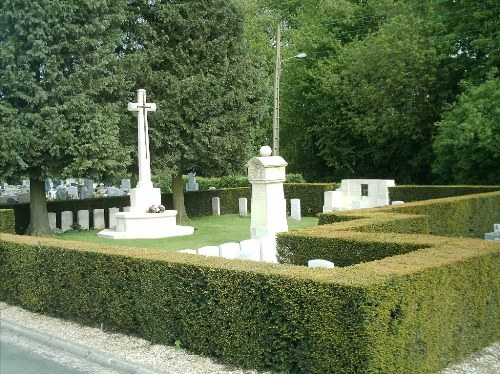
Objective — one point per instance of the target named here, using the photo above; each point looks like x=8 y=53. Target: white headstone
x=209 y=250
x=216 y=206
x=295 y=209
x=268 y=205
x=99 y=219
x=112 y=217
x=52 y=220
x=320 y=264
x=66 y=220
x=83 y=219
x=229 y=250
x=268 y=249
x=250 y=250
x=496 y=228
x=243 y=206
x=397 y=202
x=332 y=200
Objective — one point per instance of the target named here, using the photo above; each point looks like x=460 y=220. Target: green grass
x=211 y=230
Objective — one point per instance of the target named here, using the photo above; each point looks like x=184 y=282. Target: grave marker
x=99 y=222
x=216 y=206
x=66 y=220
x=243 y=206
x=295 y=209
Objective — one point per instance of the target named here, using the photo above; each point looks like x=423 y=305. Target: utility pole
x=276 y=112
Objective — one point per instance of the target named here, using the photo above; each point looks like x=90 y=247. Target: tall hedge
x=418 y=193
x=7 y=221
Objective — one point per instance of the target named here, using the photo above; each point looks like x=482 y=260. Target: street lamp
x=277 y=74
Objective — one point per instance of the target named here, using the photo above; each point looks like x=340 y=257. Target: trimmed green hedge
x=7 y=221
x=463 y=216
x=412 y=313
x=418 y=193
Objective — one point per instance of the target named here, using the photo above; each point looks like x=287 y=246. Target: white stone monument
x=358 y=194
x=138 y=222
x=268 y=207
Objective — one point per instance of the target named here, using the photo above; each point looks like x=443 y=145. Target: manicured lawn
x=210 y=230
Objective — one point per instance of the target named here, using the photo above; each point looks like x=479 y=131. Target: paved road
x=20 y=355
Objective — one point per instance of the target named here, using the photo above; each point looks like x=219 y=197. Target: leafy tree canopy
x=209 y=91
x=468 y=142
x=59 y=88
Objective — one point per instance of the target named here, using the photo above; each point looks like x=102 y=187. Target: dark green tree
x=209 y=90
x=59 y=88
x=377 y=78
x=468 y=142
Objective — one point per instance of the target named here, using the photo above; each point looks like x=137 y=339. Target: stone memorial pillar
x=268 y=207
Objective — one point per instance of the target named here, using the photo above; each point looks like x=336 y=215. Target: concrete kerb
x=79 y=350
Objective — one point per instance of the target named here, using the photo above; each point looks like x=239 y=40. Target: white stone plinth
x=268 y=210
x=133 y=225
x=142 y=198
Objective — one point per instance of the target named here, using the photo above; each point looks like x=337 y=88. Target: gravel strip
x=177 y=361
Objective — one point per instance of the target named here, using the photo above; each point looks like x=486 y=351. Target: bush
x=417 y=193
x=7 y=221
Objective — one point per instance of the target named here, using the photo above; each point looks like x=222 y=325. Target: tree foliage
x=209 y=91
x=59 y=88
x=376 y=80
x=468 y=142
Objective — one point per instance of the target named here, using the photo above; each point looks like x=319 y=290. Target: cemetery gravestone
x=62 y=193
x=125 y=185
x=66 y=220
x=99 y=219
x=84 y=193
x=191 y=185
x=83 y=219
x=320 y=264
x=250 y=250
x=112 y=217
x=209 y=250
x=52 y=220
x=72 y=192
x=243 y=206
x=216 y=206
x=229 y=250
x=295 y=209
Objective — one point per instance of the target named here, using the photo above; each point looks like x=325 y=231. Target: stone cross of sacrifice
x=143 y=107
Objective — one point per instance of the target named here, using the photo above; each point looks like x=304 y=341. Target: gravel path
x=177 y=361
